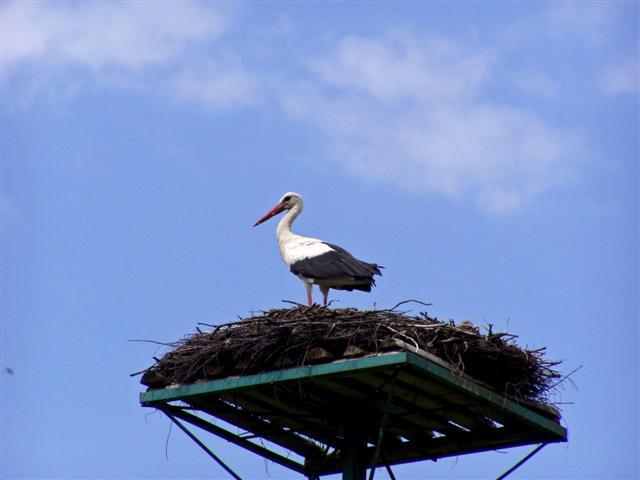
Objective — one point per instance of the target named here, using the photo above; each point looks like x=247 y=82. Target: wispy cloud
x=398 y=68
x=216 y=85
x=406 y=113
x=590 y=20
x=124 y=45
x=428 y=113
x=99 y=35
x=537 y=83
x=621 y=77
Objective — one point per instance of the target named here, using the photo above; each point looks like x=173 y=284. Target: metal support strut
x=524 y=459
x=355 y=443
x=202 y=445
x=385 y=415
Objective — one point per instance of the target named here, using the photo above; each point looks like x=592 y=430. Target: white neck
x=284 y=227
x=296 y=247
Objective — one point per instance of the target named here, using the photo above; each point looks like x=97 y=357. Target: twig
x=154 y=342
x=295 y=303
x=566 y=377
x=409 y=301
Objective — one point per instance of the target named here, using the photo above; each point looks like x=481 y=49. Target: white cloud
x=218 y=85
x=123 y=45
x=590 y=20
x=417 y=111
x=434 y=131
x=538 y=84
x=398 y=68
x=621 y=77
x=103 y=34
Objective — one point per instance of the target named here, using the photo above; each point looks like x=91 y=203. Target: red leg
x=309 y=299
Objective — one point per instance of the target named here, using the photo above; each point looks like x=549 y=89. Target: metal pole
x=353 y=451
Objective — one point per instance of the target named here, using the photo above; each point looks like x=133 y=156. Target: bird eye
x=287 y=198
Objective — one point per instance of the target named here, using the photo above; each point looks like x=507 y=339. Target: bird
x=316 y=262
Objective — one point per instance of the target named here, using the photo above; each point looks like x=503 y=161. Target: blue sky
x=486 y=153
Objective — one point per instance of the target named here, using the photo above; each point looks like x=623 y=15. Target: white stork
x=314 y=261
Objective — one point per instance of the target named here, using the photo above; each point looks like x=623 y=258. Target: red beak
x=271 y=213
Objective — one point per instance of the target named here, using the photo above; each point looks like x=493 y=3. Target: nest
x=283 y=338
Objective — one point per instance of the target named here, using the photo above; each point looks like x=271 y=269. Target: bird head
x=288 y=201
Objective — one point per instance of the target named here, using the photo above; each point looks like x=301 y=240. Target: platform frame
x=354 y=414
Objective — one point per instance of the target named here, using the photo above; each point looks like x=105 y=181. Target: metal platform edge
x=157 y=397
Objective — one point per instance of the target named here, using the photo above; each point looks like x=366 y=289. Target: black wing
x=337 y=264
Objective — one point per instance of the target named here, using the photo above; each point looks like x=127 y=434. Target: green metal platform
x=353 y=414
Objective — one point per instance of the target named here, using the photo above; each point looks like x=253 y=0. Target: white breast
x=294 y=248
